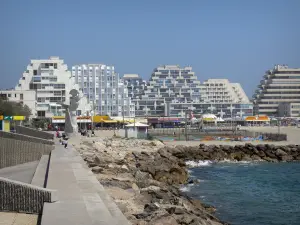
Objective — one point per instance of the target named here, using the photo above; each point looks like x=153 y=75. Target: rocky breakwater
x=143 y=178
x=247 y=152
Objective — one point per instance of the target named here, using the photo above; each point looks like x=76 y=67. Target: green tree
x=8 y=108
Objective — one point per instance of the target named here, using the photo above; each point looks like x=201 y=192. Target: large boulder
x=142 y=179
x=279 y=153
x=286 y=158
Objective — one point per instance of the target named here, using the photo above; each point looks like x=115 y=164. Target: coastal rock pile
x=247 y=152
x=143 y=177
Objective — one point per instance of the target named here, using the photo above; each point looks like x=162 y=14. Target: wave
x=199 y=163
x=186 y=188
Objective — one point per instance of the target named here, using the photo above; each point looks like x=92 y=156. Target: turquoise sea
x=250 y=193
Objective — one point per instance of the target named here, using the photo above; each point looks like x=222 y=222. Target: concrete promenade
x=59 y=186
x=82 y=199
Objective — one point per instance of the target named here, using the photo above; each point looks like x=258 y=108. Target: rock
x=286 y=158
x=237 y=156
x=175 y=210
x=125 y=168
x=151 y=207
x=261 y=154
x=268 y=159
x=280 y=152
x=99 y=146
x=135 y=187
x=157 y=143
x=97 y=169
x=255 y=158
x=246 y=158
x=142 y=178
x=150 y=188
x=168 y=220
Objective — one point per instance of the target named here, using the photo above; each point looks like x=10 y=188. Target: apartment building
x=171 y=90
x=48 y=82
x=222 y=91
x=25 y=97
x=223 y=110
x=103 y=86
x=168 y=83
x=136 y=86
x=279 y=85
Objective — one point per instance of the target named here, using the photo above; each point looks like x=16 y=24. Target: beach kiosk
x=138 y=130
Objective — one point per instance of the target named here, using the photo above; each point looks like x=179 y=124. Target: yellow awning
x=19 y=118
x=110 y=121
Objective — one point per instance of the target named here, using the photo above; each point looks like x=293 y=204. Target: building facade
x=222 y=91
x=223 y=110
x=135 y=84
x=48 y=82
x=103 y=86
x=278 y=86
x=172 y=90
x=25 y=97
x=168 y=83
x=287 y=109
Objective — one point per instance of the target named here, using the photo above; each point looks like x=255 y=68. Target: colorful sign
x=19 y=118
x=58 y=117
x=6 y=126
x=1 y=117
x=8 y=117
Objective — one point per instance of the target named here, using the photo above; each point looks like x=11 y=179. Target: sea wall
x=20 y=197
x=34 y=133
x=247 y=152
x=23 y=137
x=14 y=152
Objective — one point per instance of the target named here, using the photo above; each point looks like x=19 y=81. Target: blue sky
x=234 y=39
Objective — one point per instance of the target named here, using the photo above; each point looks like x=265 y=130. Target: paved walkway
x=82 y=199
x=17 y=219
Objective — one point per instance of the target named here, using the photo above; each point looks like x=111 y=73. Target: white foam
x=199 y=163
x=185 y=189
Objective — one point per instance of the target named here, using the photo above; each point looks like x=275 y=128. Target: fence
x=196 y=134
x=14 y=152
x=23 y=137
x=20 y=197
x=34 y=133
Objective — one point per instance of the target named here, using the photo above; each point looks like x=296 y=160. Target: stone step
x=39 y=176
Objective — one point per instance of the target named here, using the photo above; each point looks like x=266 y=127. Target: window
x=15 y=95
x=41 y=113
x=34 y=72
x=9 y=95
x=21 y=96
x=55 y=65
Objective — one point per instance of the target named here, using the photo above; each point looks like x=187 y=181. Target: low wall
x=14 y=152
x=34 y=133
x=20 y=197
x=23 y=137
x=268 y=136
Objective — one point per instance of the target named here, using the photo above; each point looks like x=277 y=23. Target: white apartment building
x=222 y=91
x=51 y=82
x=278 y=86
x=168 y=83
x=103 y=86
x=135 y=84
x=25 y=97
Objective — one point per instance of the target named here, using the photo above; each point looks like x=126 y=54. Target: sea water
x=249 y=193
